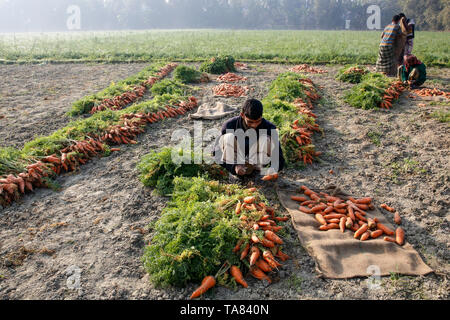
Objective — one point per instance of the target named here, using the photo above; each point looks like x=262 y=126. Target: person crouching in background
x=413 y=72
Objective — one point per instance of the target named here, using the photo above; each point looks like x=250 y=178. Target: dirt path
x=35 y=98
x=95 y=227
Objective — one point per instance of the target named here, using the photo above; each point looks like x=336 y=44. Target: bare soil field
x=95 y=228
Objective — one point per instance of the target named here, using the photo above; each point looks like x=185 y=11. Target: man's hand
x=240 y=170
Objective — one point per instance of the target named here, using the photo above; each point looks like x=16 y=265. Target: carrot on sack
x=329 y=226
x=365 y=236
x=299 y=198
x=342 y=224
x=371 y=223
x=281 y=218
x=400 y=236
x=334 y=216
x=385 y=229
x=348 y=223
x=389 y=239
x=207 y=283
x=319 y=207
x=375 y=234
x=237 y=275
x=305 y=209
x=320 y=219
x=361 y=230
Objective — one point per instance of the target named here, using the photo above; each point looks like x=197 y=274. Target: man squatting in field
x=260 y=145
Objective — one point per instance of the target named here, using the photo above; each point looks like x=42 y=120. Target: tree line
x=53 y=15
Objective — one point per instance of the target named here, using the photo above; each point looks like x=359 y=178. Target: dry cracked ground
x=86 y=240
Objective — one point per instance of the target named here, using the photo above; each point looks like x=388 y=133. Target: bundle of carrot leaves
x=352 y=74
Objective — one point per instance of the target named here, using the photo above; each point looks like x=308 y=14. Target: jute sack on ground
x=338 y=255
x=208 y=111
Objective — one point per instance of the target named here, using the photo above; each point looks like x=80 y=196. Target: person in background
x=228 y=149
x=399 y=44
x=413 y=72
x=410 y=26
x=386 y=62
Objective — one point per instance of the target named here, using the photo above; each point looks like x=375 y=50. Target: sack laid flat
x=339 y=255
x=209 y=111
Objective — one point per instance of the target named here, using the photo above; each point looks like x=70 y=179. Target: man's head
x=402 y=15
x=396 y=18
x=252 y=113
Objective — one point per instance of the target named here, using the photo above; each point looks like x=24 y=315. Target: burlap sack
x=338 y=255
x=208 y=111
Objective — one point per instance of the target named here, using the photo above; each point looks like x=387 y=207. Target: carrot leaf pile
x=352 y=74
x=369 y=93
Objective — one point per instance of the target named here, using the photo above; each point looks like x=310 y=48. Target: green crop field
x=316 y=47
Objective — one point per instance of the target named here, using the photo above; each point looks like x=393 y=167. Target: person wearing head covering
x=410 y=27
x=387 y=61
x=413 y=71
x=400 y=43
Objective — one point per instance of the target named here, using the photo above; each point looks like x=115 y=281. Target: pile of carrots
x=355 y=70
x=231 y=77
x=425 y=92
x=347 y=213
x=81 y=152
x=392 y=93
x=229 y=90
x=308 y=69
x=241 y=65
x=119 y=102
x=261 y=251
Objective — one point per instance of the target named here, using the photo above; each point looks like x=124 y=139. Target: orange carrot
x=351 y=214
x=342 y=224
x=245 y=251
x=319 y=207
x=360 y=217
x=238 y=246
x=385 y=229
x=328 y=210
x=267 y=243
x=349 y=223
x=267 y=178
x=207 y=283
x=263 y=265
x=305 y=209
x=259 y=274
x=281 y=218
x=400 y=236
x=375 y=234
x=361 y=230
x=255 y=253
x=386 y=207
x=282 y=255
x=255 y=238
x=329 y=226
x=237 y=275
x=371 y=223
x=320 y=218
x=238 y=208
x=364 y=200
x=334 y=216
x=397 y=218
x=249 y=200
x=272 y=237
x=333 y=221
x=365 y=236
x=389 y=239
x=298 y=198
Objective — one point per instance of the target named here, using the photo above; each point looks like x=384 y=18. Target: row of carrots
x=347 y=213
x=392 y=93
x=241 y=65
x=231 y=77
x=306 y=68
x=261 y=251
x=303 y=132
x=80 y=152
x=119 y=102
